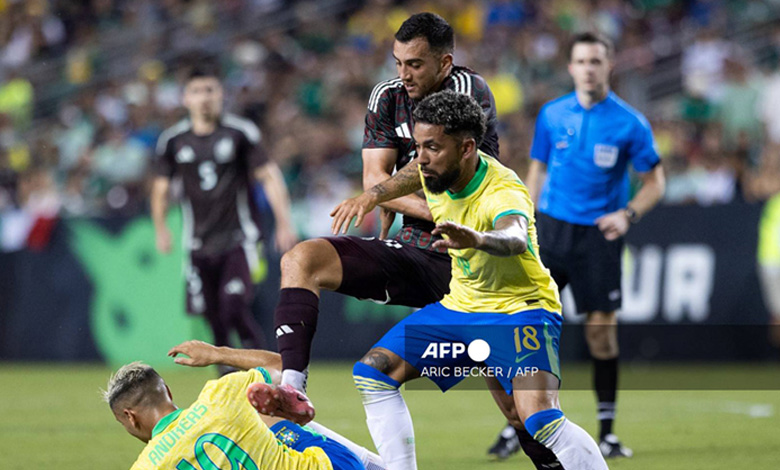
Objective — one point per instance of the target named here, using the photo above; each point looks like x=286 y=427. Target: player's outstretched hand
x=613 y=225
x=200 y=354
x=352 y=208
x=458 y=236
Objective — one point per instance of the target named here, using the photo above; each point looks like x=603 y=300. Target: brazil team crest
x=287 y=436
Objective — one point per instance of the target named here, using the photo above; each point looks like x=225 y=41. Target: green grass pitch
x=52 y=416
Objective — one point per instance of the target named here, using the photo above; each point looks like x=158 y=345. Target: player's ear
x=131 y=418
x=468 y=145
x=168 y=391
x=445 y=61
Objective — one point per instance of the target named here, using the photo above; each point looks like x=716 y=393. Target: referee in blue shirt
x=582 y=146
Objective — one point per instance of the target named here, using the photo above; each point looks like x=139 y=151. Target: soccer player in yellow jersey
x=503 y=303
x=221 y=429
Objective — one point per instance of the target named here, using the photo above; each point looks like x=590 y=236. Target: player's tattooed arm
x=405 y=181
x=378 y=166
x=509 y=238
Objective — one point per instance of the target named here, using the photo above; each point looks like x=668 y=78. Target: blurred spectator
x=7 y=182
x=16 y=149
x=16 y=99
x=769 y=107
x=713 y=179
x=737 y=107
x=703 y=62
x=119 y=160
x=75 y=135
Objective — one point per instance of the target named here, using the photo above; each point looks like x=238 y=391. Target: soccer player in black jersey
x=403 y=270
x=218 y=156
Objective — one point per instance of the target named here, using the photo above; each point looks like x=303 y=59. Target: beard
x=439 y=184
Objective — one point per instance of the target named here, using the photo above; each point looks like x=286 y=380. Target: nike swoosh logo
x=520 y=359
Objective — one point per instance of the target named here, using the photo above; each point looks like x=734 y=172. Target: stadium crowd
x=86 y=88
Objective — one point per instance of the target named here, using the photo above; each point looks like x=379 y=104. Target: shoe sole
x=276 y=401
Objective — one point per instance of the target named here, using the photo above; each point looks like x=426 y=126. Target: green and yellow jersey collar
x=165 y=422
x=475 y=182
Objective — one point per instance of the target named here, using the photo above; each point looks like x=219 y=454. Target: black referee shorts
x=580 y=256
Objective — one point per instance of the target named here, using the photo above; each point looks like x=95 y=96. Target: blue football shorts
x=442 y=344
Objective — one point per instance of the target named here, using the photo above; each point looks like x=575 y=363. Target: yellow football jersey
x=482 y=282
x=222 y=430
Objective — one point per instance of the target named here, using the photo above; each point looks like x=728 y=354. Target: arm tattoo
x=510 y=238
x=501 y=243
x=405 y=181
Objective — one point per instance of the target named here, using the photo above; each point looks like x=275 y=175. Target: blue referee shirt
x=587 y=153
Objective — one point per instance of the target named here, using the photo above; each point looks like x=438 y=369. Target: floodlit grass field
x=53 y=417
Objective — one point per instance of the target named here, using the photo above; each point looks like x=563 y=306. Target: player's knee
x=536 y=393
x=295 y=260
x=307 y=259
x=602 y=340
x=531 y=407
x=377 y=359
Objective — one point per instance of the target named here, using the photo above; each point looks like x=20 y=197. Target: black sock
x=295 y=321
x=605 y=378
x=542 y=457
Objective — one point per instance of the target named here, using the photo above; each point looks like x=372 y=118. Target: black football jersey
x=389 y=120
x=216 y=171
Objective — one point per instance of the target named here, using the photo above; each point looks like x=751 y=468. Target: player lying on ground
x=221 y=429
x=200 y=354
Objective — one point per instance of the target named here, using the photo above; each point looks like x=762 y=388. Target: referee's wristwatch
x=632 y=215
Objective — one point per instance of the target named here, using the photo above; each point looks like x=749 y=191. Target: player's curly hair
x=134 y=384
x=432 y=27
x=459 y=114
